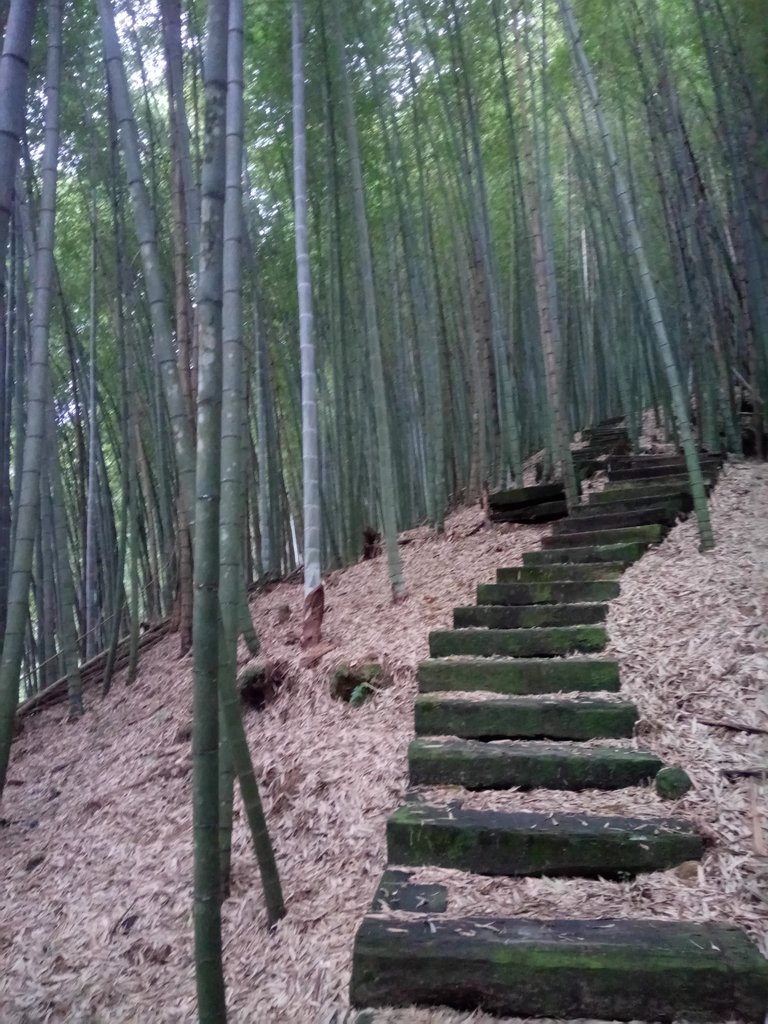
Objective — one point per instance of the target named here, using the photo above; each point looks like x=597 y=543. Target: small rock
x=258 y=684
x=34 y=862
x=688 y=871
x=672 y=783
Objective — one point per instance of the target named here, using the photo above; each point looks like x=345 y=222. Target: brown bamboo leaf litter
x=95 y=844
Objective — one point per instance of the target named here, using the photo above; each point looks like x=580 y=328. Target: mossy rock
x=259 y=683
x=354 y=684
x=672 y=783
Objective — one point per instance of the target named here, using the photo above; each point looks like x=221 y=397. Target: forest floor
x=95 y=836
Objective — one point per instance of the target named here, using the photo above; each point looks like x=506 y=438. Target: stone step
x=559 y=573
x=648 y=534
x=518 y=675
x=546 y=512
x=605 y=433
x=450 y=761
x=605 y=969
x=616 y=520
x=646 y=472
x=528 y=616
x=521 y=643
x=499 y=718
x=589 y=454
x=610 y=421
x=546 y=593
x=668 y=461
x=529 y=843
x=644 y=483
x=650 y=493
x=626 y=553
x=395 y=891
x=673 y=502
x=521 y=497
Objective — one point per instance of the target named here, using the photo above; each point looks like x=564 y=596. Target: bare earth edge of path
x=99 y=929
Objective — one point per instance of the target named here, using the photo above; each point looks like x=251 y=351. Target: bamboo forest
x=383 y=532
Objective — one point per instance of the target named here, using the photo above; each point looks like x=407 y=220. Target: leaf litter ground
x=95 y=921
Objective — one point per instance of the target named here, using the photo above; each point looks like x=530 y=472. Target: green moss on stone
x=548 y=642
x=524 y=718
x=648 y=534
x=672 y=783
x=528 y=616
x=560 y=573
x=477 y=765
x=547 y=593
x=596 y=553
x=519 y=843
x=519 y=675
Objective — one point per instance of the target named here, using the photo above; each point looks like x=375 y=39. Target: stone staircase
x=505 y=701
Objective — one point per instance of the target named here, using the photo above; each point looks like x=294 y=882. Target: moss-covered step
x=645 y=472
x=604 y=969
x=649 y=516
x=520 y=497
x=532 y=718
x=528 y=616
x=593 y=553
x=522 y=643
x=637 y=461
x=560 y=573
x=522 y=676
x=604 y=499
x=649 y=485
x=649 y=534
x=588 y=461
x=450 y=761
x=395 y=891
x=582 y=456
x=674 y=502
x=519 y=843
x=602 y=435
x=545 y=512
x=547 y=593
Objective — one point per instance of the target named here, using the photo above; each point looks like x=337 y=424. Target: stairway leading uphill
x=509 y=698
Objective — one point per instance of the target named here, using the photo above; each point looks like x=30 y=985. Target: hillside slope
x=95 y=909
